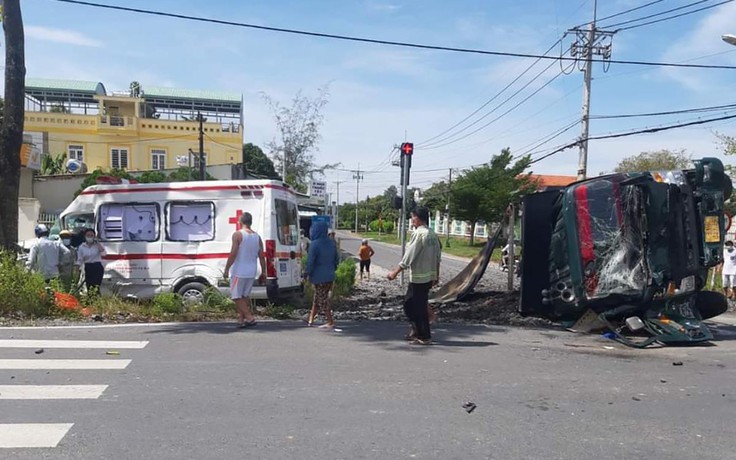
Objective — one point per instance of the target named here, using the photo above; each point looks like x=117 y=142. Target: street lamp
x=729 y=38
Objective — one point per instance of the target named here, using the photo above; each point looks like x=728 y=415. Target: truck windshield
x=610 y=218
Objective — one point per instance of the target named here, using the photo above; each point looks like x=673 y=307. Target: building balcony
x=158 y=126
x=43 y=121
x=117 y=123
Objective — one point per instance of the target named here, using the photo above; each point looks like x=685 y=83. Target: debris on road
x=677 y=363
x=112 y=352
x=469 y=407
x=39 y=351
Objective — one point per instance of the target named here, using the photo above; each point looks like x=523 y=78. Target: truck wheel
x=192 y=293
x=711 y=304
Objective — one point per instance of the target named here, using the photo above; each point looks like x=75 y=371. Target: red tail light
x=270 y=258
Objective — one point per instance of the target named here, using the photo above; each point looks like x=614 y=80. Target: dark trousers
x=415 y=308
x=93 y=275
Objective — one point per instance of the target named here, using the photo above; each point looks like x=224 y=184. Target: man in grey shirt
x=46 y=255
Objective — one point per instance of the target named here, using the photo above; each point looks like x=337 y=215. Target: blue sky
x=380 y=94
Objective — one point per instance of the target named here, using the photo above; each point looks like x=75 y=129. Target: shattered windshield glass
x=610 y=220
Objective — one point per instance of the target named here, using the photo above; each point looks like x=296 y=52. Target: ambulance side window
x=286 y=221
x=129 y=222
x=190 y=221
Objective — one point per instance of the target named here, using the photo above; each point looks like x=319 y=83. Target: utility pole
x=357 y=178
x=447 y=212
x=202 y=168
x=337 y=207
x=589 y=42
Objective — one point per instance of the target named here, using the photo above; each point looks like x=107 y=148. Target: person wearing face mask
x=66 y=268
x=729 y=270
x=89 y=256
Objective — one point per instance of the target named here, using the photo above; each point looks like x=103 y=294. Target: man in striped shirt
x=422 y=259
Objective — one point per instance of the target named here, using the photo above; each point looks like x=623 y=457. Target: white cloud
x=703 y=40
x=382 y=7
x=70 y=37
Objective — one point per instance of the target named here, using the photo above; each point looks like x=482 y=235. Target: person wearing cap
x=46 y=256
x=365 y=253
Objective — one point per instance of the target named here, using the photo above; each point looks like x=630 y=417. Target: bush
x=344 y=278
x=388 y=226
x=279 y=311
x=21 y=290
x=215 y=300
x=167 y=302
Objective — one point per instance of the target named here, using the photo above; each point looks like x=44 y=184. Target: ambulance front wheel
x=193 y=293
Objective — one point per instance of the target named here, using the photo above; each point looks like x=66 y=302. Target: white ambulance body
x=176 y=237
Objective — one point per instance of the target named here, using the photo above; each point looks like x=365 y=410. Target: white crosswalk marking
x=38 y=435
x=51 y=391
x=76 y=364
x=89 y=344
x=20 y=435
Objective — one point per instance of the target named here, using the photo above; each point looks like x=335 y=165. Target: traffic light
x=407 y=148
x=397 y=202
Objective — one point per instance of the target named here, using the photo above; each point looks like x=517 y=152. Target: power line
x=676 y=15
x=671 y=112
x=660 y=13
x=632 y=133
x=485 y=104
x=630 y=10
x=381 y=42
x=436 y=146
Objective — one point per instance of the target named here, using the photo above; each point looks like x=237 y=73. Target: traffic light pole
x=404 y=187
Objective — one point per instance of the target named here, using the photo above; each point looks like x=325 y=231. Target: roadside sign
x=318 y=189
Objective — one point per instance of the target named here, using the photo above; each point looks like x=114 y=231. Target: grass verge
x=459 y=247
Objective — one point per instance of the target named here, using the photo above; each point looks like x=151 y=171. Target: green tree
x=257 y=162
x=51 y=165
x=298 y=137
x=91 y=179
x=435 y=197
x=658 y=160
x=152 y=177
x=483 y=193
x=185 y=174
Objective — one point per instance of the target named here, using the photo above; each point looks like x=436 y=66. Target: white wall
x=28 y=211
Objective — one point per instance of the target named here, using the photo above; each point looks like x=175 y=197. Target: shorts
x=729 y=281
x=365 y=264
x=240 y=287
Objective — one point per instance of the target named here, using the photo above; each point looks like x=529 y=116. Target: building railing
x=116 y=121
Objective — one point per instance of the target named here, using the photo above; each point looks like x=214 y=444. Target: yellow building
x=145 y=128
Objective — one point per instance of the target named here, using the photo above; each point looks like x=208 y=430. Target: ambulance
x=176 y=237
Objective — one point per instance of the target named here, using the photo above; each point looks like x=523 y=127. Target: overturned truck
x=632 y=250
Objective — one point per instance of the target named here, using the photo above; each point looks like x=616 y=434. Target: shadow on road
x=389 y=334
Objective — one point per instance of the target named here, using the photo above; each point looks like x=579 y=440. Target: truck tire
x=192 y=293
x=711 y=304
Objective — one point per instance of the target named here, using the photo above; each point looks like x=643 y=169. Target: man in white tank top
x=242 y=268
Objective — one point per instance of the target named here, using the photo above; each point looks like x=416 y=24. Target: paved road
x=389 y=255
x=284 y=391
